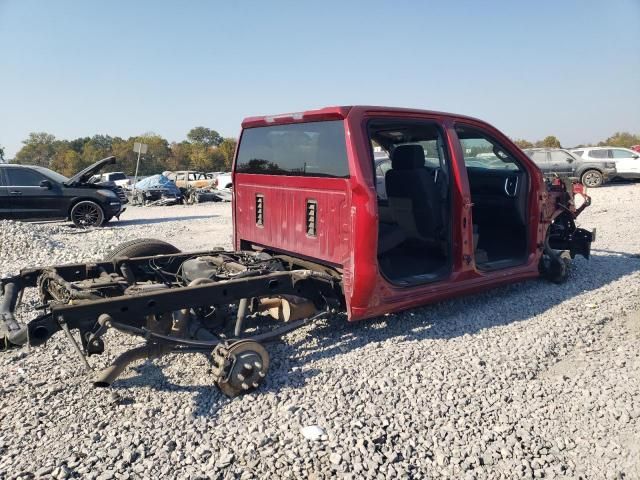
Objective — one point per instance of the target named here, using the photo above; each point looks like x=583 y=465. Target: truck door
x=562 y=163
x=30 y=200
x=5 y=204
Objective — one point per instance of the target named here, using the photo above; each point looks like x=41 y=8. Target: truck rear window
x=315 y=149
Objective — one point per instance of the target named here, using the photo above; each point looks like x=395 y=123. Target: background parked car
x=118 y=178
x=156 y=189
x=636 y=148
x=223 y=180
x=592 y=172
x=29 y=192
x=626 y=160
x=189 y=178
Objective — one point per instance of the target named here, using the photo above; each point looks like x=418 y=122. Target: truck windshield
x=315 y=149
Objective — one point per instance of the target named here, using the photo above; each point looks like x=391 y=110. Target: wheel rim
x=86 y=215
x=591 y=179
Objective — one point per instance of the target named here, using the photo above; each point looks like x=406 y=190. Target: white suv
x=627 y=161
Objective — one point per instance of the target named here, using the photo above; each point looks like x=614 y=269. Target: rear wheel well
x=597 y=169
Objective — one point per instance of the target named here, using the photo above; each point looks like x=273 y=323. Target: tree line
x=618 y=139
x=204 y=150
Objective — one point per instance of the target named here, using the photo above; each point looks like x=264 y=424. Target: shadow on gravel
x=461 y=316
x=207 y=398
x=620 y=182
x=444 y=320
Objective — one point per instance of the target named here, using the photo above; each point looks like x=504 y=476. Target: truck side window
x=313 y=149
x=483 y=153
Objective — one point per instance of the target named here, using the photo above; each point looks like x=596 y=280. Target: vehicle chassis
x=93 y=297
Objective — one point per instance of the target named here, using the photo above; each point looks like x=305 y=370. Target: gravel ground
x=529 y=380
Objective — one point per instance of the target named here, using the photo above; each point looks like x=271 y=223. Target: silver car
x=627 y=161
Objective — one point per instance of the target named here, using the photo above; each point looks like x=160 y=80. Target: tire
x=556 y=270
x=87 y=214
x=592 y=178
x=141 y=247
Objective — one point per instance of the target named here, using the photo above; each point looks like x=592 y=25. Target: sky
x=569 y=68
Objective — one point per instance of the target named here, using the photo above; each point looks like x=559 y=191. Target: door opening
x=499 y=187
x=413 y=184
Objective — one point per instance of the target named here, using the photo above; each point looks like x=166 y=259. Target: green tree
x=549 y=142
x=179 y=157
x=621 y=139
x=2 y=160
x=522 y=143
x=78 y=144
x=96 y=148
x=67 y=162
x=204 y=136
x=38 y=149
x=228 y=149
x=156 y=160
x=200 y=158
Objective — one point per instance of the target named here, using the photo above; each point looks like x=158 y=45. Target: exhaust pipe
x=109 y=375
x=12 y=333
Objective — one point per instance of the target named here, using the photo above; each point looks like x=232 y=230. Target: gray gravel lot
x=529 y=380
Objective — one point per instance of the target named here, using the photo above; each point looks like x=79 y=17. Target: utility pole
x=140 y=148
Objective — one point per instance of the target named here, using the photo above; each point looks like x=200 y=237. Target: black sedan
x=29 y=192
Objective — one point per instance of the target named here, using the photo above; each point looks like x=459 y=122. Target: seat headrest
x=407 y=157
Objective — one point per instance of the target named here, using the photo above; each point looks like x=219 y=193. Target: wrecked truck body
x=463 y=210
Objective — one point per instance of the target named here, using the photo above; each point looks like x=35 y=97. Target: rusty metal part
x=76 y=347
x=12 y=333
x=199 y=281
x=151 y=350
x=239 y=367
x=180 y=324
x=242 y=313
x=226 y=262
x=147 y=297
x=140 y=288
x=286 y=308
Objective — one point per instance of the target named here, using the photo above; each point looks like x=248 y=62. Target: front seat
x=413 y=196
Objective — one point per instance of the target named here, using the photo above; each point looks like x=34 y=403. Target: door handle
x=15 y=192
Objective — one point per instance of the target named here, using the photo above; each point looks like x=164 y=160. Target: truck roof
x=337 y=113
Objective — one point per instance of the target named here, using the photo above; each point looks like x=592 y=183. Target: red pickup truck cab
x=454 y=207
x=366 y=210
